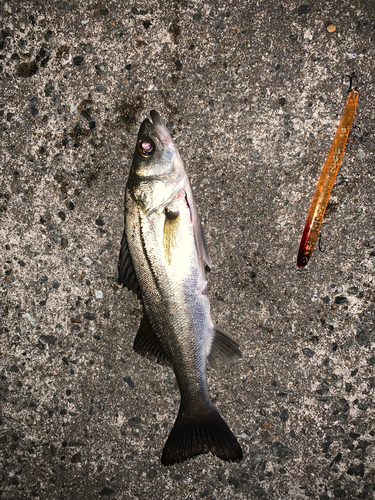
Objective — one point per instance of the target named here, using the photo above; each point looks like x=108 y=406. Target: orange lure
x=326 y=180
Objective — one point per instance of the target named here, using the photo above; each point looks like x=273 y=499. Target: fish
x=163 y=259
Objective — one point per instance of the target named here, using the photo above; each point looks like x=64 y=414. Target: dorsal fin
x=201 y=244
x=126 y=273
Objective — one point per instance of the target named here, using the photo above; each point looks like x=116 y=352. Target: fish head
x=157 y=169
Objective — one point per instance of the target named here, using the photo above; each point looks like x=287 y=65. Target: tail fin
x=198 y=435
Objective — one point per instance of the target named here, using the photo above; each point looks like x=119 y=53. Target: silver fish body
x=162 y=258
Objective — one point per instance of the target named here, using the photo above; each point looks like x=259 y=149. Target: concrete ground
x=252 y=93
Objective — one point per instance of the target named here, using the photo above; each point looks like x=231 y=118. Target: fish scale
x=186 y=328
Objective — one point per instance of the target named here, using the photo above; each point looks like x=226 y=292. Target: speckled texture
x=252 y=94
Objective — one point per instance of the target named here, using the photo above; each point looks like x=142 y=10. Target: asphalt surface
x=252 y=93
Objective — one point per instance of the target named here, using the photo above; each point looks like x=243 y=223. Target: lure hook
x=341 y=180
x=351 y=78
x=356 y=126
x=321 y=249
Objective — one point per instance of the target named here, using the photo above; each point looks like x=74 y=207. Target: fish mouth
x=156 y=120
x=146 y=129
x=156 y=127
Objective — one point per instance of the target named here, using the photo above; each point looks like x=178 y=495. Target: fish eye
x=304 y=260
x=146 y=147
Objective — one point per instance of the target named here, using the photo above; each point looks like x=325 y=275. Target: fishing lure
x=327 y=178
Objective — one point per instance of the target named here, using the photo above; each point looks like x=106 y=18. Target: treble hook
x=351 y=78
x=341 y=180
x=320 y=243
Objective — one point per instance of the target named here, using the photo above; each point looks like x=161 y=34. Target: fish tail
x=198 y=435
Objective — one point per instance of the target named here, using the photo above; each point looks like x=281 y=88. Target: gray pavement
x=252 y=93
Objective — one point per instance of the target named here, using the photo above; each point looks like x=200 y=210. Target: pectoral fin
x=126 y=273
x=147 y=344
x=224 y=347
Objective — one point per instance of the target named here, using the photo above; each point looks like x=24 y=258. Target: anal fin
x=224 y=347
x=147 y=344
